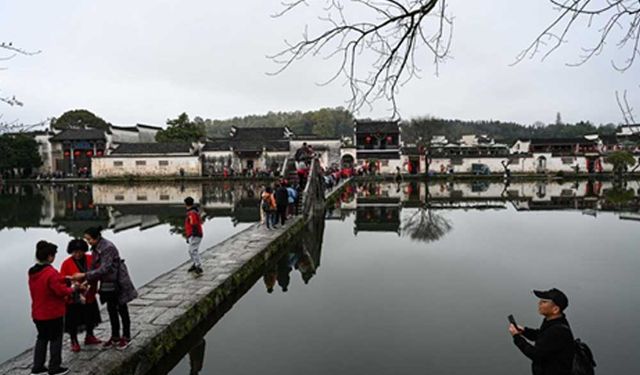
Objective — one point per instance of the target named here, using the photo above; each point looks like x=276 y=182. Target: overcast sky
x=145 y=61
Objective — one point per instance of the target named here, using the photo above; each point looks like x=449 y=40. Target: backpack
x=266 y=207
x=583 y=362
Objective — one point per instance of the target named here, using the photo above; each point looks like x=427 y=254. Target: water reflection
x=70 y=208
x=380 y=207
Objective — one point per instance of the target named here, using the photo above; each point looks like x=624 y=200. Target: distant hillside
x=328 y=122
x=336 y=122
x=501 y=131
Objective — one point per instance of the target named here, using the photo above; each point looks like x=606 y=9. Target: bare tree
x=377 y=51
x=425 y=225
x=616 y=21
x=10 y=52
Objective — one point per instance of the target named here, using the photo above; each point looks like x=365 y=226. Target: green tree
x=79 y=118
x=181 y=129
x=19 y=152
x=621 y=161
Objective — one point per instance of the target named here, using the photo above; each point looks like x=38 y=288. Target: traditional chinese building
x=149 y=159
x=73 y=149
x=378 y=144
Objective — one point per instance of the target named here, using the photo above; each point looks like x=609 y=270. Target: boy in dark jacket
x=48 y=292
x=553 y=348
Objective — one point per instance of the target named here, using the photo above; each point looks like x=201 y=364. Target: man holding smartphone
x=552 y=350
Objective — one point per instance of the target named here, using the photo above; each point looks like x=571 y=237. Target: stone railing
x=313 y=198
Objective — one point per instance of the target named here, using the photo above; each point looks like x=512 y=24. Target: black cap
x=555 y=295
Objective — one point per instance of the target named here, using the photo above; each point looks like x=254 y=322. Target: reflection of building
x=378 y=208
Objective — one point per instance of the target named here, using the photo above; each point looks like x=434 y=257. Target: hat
x=555 y=295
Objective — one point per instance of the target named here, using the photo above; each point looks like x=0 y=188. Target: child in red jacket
x=82 y=308
x=48 y=292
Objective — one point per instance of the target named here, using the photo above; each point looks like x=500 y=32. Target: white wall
x=105 y=167
x=109 y=194
x=494 y=164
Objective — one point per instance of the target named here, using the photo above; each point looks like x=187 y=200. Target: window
x=141 y=162
x=117 y=164
x=164 y=197
x=385 y=163
x=119 y=197
x=142 y=197
x=163 y=163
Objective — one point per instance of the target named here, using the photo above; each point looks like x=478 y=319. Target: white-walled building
x=149 y=159
x=378 y=145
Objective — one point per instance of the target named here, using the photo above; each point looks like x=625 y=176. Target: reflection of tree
x=21 y=207
x=425 y=226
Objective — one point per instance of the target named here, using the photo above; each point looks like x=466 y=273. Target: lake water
x=402 y=278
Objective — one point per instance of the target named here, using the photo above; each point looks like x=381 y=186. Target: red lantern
x=389 y=139
x=89 y=153
x=99 y=153
x=76 y=153
x=368 y=139
x=67 y=154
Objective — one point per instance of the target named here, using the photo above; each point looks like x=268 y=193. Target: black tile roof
x=259 y=133
x=560 y=141
x=259 y=144
x=152 y=148
x=79 y=134
x=125 y=128
x=367 y=126
x=149 y=126
x=217 y=144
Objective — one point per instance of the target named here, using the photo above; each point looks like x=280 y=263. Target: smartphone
x=512 y=320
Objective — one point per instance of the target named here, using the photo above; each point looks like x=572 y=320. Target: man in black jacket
x=282 y=201
x=553 y=348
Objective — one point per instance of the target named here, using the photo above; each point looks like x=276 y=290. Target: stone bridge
x=175 y=306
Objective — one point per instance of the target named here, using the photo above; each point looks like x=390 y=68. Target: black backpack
x=583 y=362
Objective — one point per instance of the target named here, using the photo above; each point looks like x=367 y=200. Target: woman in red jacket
x=48 y=291
x=82 y=308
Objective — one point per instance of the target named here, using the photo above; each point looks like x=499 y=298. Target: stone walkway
x=173 y=304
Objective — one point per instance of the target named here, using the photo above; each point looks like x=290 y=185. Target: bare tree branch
x=376 y=53
x=625 y=108
x=614 y=19
x=13 y=51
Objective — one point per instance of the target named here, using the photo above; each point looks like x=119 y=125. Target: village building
x=69 y=152
x=377 y=145
x=472 y=154
x=553 y=155
x=149 y=159
x=138 y=133
x=247 y=151
x=72 y=150
x=327 y=149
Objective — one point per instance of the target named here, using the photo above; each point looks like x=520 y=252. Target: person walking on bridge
x=193 y=231
x=282 y=201
x=553 y=349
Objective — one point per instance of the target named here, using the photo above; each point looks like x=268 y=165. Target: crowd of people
x=278 y=203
